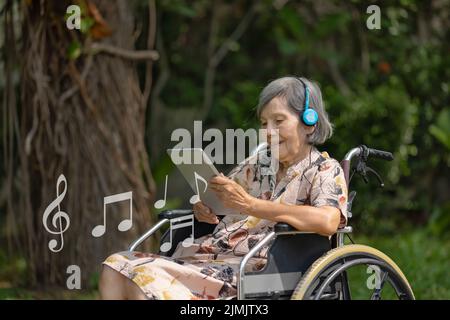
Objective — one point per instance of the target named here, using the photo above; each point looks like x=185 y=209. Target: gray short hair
x=291 y=89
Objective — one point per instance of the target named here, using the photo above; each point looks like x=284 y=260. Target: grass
x=423 y=258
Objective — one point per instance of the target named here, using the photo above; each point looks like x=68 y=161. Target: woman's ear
x=310 y=129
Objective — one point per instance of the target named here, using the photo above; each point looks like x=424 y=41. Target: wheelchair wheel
x=330 y=276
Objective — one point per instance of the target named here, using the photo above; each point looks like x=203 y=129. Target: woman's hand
x=231 y=193
x=204 y=214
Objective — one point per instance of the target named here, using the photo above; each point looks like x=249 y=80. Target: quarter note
x=58 y=218
x=162 y=202
x=178 y=223
x=196 y=197
x=125 y=224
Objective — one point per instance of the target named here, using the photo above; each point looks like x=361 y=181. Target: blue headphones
x=309 y=116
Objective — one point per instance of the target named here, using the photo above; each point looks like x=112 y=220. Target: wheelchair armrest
x=174 y=213
x=283 y=227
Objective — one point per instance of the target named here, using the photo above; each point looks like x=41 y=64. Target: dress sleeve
x=330 y=189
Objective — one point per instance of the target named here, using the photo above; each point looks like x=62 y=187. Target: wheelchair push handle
x=380 y=154
x=363 y=152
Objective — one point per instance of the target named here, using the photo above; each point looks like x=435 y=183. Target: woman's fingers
x=223 y=190
x=216 y=189
x=208 y=218
x=200 y=207
x=220 y=180
x=204 y=214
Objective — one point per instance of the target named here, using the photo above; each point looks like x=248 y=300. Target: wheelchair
x=302 y=265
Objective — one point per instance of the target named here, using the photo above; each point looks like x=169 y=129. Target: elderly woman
x=308 y=192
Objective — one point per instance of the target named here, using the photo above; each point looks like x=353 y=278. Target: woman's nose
x=272 y=134
x=270 y=127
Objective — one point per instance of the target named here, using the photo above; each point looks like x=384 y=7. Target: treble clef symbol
x=58 y=217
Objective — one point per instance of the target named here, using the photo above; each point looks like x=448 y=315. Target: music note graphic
x=125 y=224
x=57 y=220
x=162 y=202
x=196 y=197
x=178 y=223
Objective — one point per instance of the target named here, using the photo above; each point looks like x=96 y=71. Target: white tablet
x=198 y=169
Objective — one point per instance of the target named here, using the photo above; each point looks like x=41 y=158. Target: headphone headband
x=305 y=87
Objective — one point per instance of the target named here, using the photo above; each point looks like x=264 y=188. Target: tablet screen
x=198 y=169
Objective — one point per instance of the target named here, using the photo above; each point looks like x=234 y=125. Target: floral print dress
x=207 y=269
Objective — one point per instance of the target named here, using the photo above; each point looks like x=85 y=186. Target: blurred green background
x=387 y=88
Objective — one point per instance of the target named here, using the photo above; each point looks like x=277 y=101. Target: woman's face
x=292 y=133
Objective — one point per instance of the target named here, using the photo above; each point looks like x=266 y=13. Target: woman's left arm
x=323 y=220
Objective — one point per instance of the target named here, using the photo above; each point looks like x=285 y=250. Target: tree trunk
x=82 y=116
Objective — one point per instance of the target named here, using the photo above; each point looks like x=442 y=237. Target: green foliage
x=74 y=50
x=441 y=129
x=86 y=24
x=12 y=269
x=382 y=118
x=233 y=102
x=439 y=223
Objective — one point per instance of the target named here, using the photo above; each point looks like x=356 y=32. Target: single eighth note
x=196 y=197
x=162 y=202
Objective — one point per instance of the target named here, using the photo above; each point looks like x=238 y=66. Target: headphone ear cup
x=310 y=117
